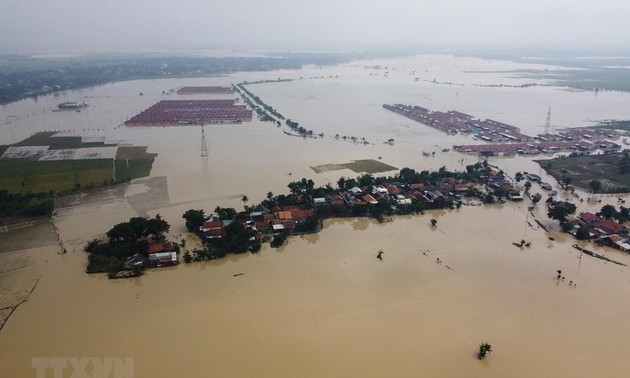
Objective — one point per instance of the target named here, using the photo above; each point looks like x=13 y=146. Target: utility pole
x=204 y=145
x=548 y=122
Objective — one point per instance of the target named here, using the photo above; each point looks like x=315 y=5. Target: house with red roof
x=368 y=198
x=161 y=253
x=588 y=217
x=610 y=227
x=393 y=190
x=212 y=229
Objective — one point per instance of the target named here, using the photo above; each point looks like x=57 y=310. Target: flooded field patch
x=358 y=166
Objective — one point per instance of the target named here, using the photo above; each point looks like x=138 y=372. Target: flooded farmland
x=323 y=305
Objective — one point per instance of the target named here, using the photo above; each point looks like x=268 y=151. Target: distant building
x=72 y=105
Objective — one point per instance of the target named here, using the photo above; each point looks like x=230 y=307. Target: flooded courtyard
x=323 y=305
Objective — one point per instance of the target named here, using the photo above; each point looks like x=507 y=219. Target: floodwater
x=323 y=305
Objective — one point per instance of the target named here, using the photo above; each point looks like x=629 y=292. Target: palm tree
x=484 y=348
x=433 y=222
x=245 y=200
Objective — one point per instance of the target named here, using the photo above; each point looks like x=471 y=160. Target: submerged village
x=285 y=236
x=140 y=243
x=135 y=244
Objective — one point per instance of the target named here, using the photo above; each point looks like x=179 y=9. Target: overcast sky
x=297 y=25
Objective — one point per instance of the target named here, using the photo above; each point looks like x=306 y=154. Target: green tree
x=121 y=232
x=582 y=233
x=194 y=219
x=560 y=211
x=157 y=227
x=499 y=193
x=567 y=181
x=341 y=183
x=518 y=177
x=294 y=187
x=433 y=222
x=484 y=349
x=139 y=226
x=595 y=185
x=279 y=240
x=536 y=198
x=408 y=175
x=608 y=212
x=488 y=198
x=624 y=164
x=366 y=180
x=225 y=213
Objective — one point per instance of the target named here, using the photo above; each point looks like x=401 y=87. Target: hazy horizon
x=283 y=25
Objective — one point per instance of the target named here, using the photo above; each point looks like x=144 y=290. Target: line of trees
x=259 y=101
x=27 y=205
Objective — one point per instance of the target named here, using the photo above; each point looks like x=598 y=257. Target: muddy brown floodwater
x=323 y=305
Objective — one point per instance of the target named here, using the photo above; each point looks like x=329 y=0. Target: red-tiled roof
x=160 y=247
x=368 y=198
x=392 y=189
x=263 y=225
x=215 y=232
x=288 y=224
x=588 y=217
x=615 y=238
x=609 y=224
x=213 y=224
x=302 y=214
x=284 y=215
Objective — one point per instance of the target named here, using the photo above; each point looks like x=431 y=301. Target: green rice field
x=24 y=176
x=21 y=177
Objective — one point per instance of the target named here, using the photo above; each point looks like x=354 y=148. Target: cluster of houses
x=277 y=219
x=286 y=218
x=395 y=194
x=578 y=134
x=260 y=219
x=605 y=231
x=537 y=148
x=452 y=122
x=497 y=180
x=510 y=141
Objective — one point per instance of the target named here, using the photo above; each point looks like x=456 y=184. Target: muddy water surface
x=323 y=305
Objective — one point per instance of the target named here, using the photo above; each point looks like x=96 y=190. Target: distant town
x=22 y=76
x=512 y=141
